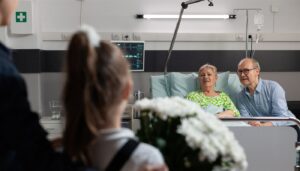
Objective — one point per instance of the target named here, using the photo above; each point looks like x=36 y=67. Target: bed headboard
x=180 y=84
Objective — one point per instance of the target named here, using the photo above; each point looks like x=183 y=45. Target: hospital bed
x=267 y=148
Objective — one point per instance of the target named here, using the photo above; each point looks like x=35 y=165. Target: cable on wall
x=80 y=13
x=247 y=17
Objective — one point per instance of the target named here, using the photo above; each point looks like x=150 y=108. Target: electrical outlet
x=65 y=36
x=126 y=36
x=116 y=36
x=136 y=36
x=250 y=37
x=259 y=37
x=239 y=37
x=274 y=8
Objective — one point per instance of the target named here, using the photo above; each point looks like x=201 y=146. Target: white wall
x=54 y=20
x=118 y=16
x=111 y=16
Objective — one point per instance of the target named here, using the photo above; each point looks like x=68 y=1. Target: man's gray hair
x=254 y=62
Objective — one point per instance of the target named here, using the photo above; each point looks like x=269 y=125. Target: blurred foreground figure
x=98 y=86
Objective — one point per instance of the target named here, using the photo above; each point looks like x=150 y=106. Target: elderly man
x=260 y=97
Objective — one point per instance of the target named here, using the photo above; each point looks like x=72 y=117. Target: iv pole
x=247 y=23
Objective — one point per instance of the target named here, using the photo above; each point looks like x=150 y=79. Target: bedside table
x=53 y=127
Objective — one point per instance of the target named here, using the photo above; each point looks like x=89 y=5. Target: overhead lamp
x=167 y=16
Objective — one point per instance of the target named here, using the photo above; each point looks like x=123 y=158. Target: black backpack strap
x=122 y=156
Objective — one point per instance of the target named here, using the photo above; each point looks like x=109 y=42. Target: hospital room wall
x=55 y=18
x=60 y=16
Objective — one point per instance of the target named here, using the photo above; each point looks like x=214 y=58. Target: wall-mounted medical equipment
x=22 y=20
x=134 y=52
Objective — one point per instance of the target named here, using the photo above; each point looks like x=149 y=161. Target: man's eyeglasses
x=245 y=71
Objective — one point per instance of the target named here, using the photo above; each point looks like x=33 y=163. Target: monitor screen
x=134 y=52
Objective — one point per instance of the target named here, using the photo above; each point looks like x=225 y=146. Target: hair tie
x=93 y=36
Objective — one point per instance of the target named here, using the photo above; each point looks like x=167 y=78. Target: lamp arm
x=173 y=40
x=184 y=5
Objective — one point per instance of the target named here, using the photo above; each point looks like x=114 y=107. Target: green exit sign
x=21 y=17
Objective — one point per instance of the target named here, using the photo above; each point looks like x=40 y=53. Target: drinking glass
x=55 y=109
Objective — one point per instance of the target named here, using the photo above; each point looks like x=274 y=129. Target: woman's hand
x=225 y=114
x=57 y=143
x=155 y=168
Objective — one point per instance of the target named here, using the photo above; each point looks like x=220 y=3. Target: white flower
x=168 y=107
x=201 y=130
x=214 y=139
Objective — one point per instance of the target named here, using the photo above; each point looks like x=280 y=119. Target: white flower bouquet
x=188 y=137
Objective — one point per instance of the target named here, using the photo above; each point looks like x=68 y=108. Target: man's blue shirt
x=267 y=100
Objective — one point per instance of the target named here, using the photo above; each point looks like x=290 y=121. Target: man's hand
x=257 y=123
x=254 y=123
x=266 y=124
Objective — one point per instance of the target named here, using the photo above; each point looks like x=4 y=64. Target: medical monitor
x=134 y=52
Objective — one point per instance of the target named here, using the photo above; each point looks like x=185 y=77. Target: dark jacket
x=23 y=142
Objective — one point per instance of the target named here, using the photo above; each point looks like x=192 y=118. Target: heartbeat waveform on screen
x=134 y=53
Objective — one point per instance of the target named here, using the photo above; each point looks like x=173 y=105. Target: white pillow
x=181 y=84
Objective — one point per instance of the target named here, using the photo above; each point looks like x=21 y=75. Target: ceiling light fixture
x=167 y=16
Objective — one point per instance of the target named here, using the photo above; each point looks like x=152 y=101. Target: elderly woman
x=208 y=98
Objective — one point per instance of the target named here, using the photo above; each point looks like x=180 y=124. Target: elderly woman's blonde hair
x=209 y=66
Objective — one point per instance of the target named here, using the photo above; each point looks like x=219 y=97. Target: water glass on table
x=55 y=109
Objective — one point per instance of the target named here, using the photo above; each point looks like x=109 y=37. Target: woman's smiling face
x=207 y=77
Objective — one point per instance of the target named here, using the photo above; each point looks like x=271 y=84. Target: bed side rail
x=291 y=119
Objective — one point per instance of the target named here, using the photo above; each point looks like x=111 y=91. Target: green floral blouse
x=222 y=100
